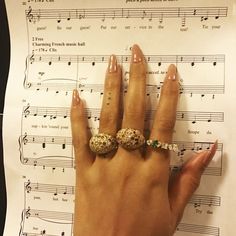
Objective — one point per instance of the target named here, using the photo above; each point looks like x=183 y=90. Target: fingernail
x=137 y=54
x=172 y=72
x=210 y=154
x=75 y=98
x=112 y=64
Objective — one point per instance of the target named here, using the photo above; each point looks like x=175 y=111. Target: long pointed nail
x=75 y=98
x=112 y=64
x=172 y=72
x=210 y=154
x=137 y=54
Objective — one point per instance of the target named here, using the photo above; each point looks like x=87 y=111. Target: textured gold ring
x=130 y=139
x=102 y=143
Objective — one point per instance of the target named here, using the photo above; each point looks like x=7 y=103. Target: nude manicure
x=137 y=54
x=171 y=73
x=75 y=98
x=112 y=64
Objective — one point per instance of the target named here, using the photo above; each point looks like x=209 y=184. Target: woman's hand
x=129 y=193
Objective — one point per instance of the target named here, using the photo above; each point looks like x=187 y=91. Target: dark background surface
x=4 y=69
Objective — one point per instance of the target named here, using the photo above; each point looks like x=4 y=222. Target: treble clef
x=27 y=213
x=28 y=187
x=31 y=59
x=30 y=16
x=26 y=111
x=24 y=139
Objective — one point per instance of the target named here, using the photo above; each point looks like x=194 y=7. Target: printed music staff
x=199 y=229
x=176 y=59
x=203 y=13
x=60 y=161
x=54 y=112
x=41 y=72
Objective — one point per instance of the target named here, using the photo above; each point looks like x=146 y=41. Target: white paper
x=58 y=45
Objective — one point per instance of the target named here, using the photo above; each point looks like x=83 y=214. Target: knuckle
x=134 y=116
x=134 y=111
x=165 y=125
x=108 y=119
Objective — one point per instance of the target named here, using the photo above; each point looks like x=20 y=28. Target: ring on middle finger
x=130 y=139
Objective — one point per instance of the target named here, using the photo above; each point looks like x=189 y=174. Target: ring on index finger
x=102 y=143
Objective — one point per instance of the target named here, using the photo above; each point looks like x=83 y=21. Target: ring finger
x=165 y=117
x=134 y=104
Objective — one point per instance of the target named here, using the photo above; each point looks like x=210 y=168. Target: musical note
x=103 y=18
x=59 y=18
x=50 y=62
x=69 y=62
x=127 y=15
x=218 y=15
x=43 y=232
x=69 y=16
x=44 y=145
x=55 y=194
x=150 y=17
x=205 y=17
x=80 y=14
x=209 y=119
x=144 y=14
x=161 y=18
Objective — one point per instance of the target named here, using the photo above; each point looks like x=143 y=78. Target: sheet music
x=58 y=45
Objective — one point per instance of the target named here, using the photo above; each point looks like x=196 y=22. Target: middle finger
x=134 y=107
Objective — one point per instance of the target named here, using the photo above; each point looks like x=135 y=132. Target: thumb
x=184 y=184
